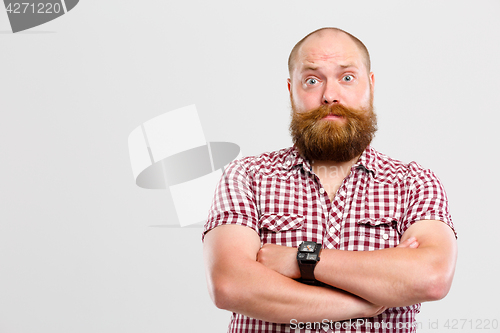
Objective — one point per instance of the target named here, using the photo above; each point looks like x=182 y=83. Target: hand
x=281 y=259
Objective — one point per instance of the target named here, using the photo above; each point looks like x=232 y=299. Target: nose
x=330 y=94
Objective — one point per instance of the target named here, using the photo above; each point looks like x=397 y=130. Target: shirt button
x=332 y=231
x=322 y=190
x=385 y=236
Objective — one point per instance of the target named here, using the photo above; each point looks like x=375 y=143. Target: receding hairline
x=359 y=44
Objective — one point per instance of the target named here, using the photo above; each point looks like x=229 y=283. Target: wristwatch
x=307 y=258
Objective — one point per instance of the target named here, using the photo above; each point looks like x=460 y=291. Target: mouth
x=333 y=117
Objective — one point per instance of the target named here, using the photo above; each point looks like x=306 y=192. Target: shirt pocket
x=375 y=234
x=281 y=229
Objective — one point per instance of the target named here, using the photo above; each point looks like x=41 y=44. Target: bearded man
x=381 y=227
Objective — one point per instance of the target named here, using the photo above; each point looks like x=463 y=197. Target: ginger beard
x=330 y=140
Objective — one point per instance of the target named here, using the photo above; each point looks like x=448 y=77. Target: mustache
x=322 y=111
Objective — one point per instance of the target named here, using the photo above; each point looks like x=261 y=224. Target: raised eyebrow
x=346 y=66
x=309 y=68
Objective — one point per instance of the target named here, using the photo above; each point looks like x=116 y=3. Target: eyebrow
x=348 y=65
x=311 y=67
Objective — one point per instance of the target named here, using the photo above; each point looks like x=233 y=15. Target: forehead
x=327 y=49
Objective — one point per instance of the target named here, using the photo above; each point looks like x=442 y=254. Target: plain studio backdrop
x=83 y=249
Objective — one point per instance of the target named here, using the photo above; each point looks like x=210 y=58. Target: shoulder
x=263 y=163
x=388 y=169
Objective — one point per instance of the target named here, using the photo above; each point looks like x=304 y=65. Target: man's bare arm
x=397 y=276
x=392 y=277
x=238 y=282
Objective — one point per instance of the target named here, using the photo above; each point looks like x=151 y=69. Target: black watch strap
x=307 y=272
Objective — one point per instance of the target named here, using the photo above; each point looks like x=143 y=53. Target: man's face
x=331 y=94
x=329 y=68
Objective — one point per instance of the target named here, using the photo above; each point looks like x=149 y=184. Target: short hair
x=361 y=46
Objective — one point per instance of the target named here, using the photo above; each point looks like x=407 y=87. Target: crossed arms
x=258 y=282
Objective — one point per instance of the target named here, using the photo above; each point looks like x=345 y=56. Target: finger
x=407 y=242
x=410 y=242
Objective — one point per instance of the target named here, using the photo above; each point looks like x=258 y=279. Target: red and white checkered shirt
x=278 y=195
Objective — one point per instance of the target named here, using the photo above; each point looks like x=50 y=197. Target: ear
x=289 y=82
x=372 y=79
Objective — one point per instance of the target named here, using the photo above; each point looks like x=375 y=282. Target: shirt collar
x=367 y=160
x=294 y=159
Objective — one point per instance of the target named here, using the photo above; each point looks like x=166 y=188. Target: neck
x=333 y=169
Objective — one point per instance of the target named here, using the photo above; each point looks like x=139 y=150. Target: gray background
x=80 y=246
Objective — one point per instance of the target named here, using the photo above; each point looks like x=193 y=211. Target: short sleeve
x=426 y=199
x=234 y=199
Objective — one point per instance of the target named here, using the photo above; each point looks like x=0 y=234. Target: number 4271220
x=32 y=8
x=479 y=324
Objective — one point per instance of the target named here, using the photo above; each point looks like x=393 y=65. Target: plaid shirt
x=278 y=195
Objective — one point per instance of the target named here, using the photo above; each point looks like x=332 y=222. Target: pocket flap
x=377 y=222
x=282 y=222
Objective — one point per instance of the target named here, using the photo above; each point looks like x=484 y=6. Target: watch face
x=311 y=257
x=307 y=247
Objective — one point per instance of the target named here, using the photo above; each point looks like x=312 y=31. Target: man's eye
x=311 y=81
x=348 y=78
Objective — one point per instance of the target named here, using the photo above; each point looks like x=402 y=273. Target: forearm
x=395 y=276
x=238 y=282
x=392 y=277
x=261 y=293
